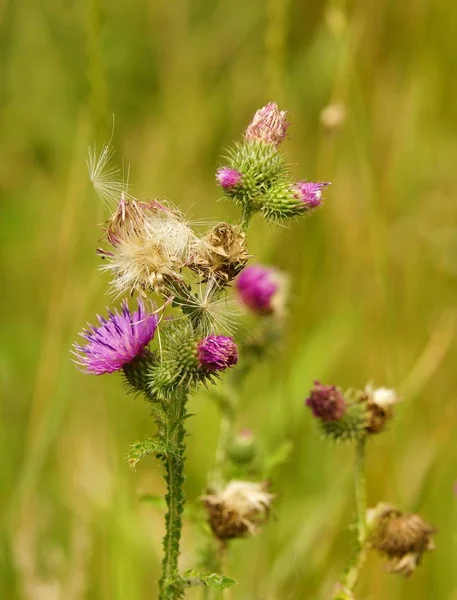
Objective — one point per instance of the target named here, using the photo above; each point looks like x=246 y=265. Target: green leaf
x=216 y=581
x=140 y=450
x=278 y=457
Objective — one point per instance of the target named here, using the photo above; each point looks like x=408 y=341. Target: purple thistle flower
x=257 y=287
x=326 y=402
x=217 y=352
x=116 y=341
x=228 y=178
x=310 y=193
x=268 y=125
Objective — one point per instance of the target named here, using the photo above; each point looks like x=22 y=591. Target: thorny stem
x=170 y=583
x=352 y=572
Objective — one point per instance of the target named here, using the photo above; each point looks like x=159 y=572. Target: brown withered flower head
x=239 y=509
x=222 y=253
x=380 y=404
x=402 y=537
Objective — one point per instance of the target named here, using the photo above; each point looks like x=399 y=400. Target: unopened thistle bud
x=116 y=341
x=242 y=448
x=268 y=125
x=228 y=178
x=310 y=193
x=239 y=509
x=326 y=402
x=188 y=359
x=261 y=289
x=379 y=405
x=221 y=255
x=402 y=537
x=342 y=417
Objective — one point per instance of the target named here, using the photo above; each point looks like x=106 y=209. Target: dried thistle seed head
x=333 y=116
x=268 y=125
x=208 y=306
x=239 y=509
x=379 y=404
x=222 y=255
x=149 y=242
x=402 y=537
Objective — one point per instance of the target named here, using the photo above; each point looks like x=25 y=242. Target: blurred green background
x=373 y=277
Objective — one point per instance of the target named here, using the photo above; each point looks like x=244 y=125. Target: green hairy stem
x=170 y=582
x=351 y=575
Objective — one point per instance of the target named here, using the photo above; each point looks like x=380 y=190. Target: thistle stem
x=246 y=217
x=351 y=575
x=170 y=583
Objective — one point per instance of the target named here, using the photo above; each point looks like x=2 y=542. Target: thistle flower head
x=217 y=352
x=222 y=253
x=379 y=405
x=228 y=178
x=148 y=243
x=116 y=341
x=268 y=125
x=310 y=193
x=326 y=402
x=261 y=289
x=239 y=509
x=402 y=537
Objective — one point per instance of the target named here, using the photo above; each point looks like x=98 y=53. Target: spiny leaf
x=140 y=450
x=216 y=581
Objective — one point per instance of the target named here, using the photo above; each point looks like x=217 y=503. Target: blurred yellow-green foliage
x=373 y=277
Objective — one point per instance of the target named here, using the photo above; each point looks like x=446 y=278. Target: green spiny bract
x=179 y=366
x=136 y=376
x=281 y=202
x=350 y=427
x=264 y=185
x=259 y=163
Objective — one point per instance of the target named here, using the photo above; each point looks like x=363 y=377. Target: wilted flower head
x=228 y=178
x=269 y=125
x=117 y=341
x=239 y=509
x=149 y=242
x=222 y=253
x=402 y=537
x=310 y=193
x=326 y=402
x=379 y=407
x=261 y=289
x=217 y=352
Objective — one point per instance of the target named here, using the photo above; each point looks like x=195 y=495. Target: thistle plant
x=179 y=337
x=353 y=417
